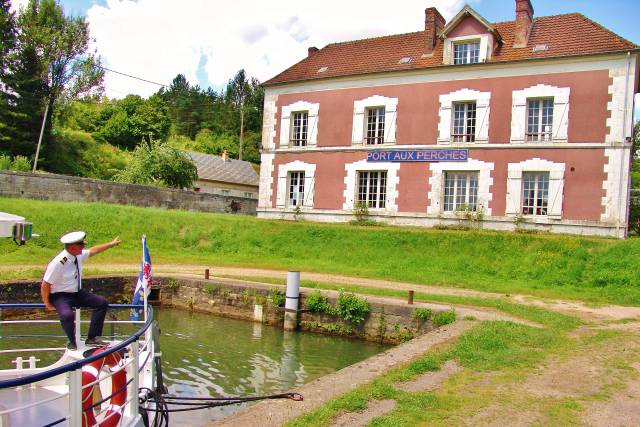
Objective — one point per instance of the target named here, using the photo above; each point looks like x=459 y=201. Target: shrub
x=422 y=314
x=318 y=303
x=444 y=318
x=352 y=308
x=19 y=163
x=361 y=212
x=276 y=298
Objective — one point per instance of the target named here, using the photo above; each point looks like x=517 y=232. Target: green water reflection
x=205 y=355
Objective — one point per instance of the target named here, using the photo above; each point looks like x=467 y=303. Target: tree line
x=52 y=89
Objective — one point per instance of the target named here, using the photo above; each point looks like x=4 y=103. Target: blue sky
x=209 y=40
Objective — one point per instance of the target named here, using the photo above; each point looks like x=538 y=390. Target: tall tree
x=7 y=45
x=238 y=91
x=66 y=67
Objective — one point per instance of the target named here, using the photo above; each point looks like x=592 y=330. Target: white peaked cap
x=73 y=237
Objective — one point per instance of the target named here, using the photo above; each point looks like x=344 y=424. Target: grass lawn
x=589 y=269
x=501 y=364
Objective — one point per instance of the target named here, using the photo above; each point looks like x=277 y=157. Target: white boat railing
x=65 y=375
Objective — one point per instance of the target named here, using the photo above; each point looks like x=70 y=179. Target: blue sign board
x=436 y=155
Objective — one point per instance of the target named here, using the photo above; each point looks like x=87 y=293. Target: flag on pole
x=145 y=280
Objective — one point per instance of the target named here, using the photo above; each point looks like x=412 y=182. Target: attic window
x=405 y=60
x=323 y=69
x=540 y=48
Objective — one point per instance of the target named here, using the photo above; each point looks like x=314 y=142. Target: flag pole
x=144 y=286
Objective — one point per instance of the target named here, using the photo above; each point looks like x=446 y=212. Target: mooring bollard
x=292 y=300
x=206 y=274
x=410 y=301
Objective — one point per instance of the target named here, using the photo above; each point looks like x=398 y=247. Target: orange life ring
x=90 y=374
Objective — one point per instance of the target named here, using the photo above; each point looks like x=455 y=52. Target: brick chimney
x=312 y=50
x=524 y=22
x=433 y=24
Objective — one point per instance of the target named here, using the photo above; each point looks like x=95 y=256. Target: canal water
x=205 y=355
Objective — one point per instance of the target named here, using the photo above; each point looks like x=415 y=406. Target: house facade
x=525 y=123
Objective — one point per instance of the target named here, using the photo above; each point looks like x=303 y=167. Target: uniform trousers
x=64 y=303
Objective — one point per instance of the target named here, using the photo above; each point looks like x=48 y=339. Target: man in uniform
x=61 y=287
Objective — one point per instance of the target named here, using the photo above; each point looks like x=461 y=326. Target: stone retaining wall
x=387 y=322
x=75 y=189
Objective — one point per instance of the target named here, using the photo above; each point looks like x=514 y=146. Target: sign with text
x=436 y=155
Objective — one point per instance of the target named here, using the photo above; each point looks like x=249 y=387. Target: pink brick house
x=527 y=122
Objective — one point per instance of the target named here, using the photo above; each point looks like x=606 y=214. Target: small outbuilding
x=225 y=176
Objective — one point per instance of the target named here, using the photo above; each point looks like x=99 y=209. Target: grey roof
x=213 y=168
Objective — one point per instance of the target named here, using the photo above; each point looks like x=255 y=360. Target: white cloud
x=157 y=39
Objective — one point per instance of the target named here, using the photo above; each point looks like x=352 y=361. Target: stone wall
x=76 y=189
x=388 y=322
x=116 y=289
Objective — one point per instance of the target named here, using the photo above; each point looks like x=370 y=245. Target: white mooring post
x=292 y=301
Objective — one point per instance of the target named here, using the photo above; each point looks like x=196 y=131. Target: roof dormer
x=468 y=38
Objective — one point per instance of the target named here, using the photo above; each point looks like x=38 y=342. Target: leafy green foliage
x=422 y=314
x=82 y=155
x=352 y=307
x=444 y=318
x=318 y=303
x=155 y=163
x=18 y=163
x=276 y=298
x=634 y=203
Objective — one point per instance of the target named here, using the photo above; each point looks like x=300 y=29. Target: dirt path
x=578 y=309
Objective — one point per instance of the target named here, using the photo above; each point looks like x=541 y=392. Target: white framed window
x=460 y=191
x=453 y=184
x=375 y=126
x=299 y=125
x=535 y=193
x=225 y=192
x=372 y=188
x=466 y=52
x=295 y=184
x=464 y=116
x=539 y=119
x=248 y=195
x=540 y=113
x=535 y=187
x=464 y=122
x=296 y=189
x=299 y=129
x=356 y=187
x=379 y=112
x=469 y=49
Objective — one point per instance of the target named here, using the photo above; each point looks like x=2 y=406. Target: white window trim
x=390 y=112
x=285 y=123
x=309 y=170
x=484 y=47
x=560 y=97
x=556 y=186
x=351 y=178
x=436 y=182
x=482 y=100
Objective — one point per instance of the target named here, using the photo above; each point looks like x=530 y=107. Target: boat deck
x=41 y=414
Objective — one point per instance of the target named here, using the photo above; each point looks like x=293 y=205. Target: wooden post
x=206 y=274
x=410 y=301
